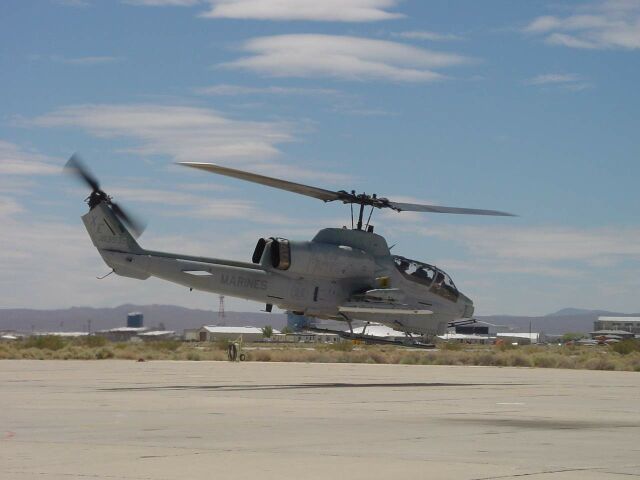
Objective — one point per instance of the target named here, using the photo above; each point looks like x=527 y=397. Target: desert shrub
x=484 y=358
x=267 y=331
x=520 y=360
x=45 y=342
x=410 y=358
x=222 y=344
x=345 y=346
x=193 y=356
x=566 y=362
x=262 y=356
x=378 y=357
x=544 y=360
x=426 y=359
x=170 y=345
x=355 y=357
x=500 y=360
x=626 y=346
x=92 y=341
x=455 y=346
x=104 y=353
x=600 y=363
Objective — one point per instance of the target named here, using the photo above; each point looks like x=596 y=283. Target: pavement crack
x=542 y=472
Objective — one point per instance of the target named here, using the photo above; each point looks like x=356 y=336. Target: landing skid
x=370 y=339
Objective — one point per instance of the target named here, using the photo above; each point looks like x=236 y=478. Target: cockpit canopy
x=427 y=275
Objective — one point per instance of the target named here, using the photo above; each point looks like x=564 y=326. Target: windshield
x=435 y=279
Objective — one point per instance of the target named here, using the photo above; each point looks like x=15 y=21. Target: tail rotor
x=76 y=167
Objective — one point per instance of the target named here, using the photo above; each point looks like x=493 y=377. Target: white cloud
x=89 y=60
x=58 y=261
x=184 y=133
x=16 y=161
x=79 y=61
x=484 y=266
x=552 y=78
x=187 y=134
x=310 y=10
x=427 y=35
x=162 y=3
x=351 y=58
x=609 y=24
x=202 y=206
x=544 y=244
x=9 y=207
x=566 y=81
x=232 y=90
x=73 y=3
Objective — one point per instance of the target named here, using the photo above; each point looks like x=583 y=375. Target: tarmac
x=116 y=419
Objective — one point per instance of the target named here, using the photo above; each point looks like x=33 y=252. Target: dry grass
x=591 y=358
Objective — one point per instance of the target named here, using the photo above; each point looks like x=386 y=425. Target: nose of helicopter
x=466 y=306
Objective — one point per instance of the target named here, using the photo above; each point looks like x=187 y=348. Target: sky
x=529 y=107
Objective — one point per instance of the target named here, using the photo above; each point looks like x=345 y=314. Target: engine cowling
x=313 y=258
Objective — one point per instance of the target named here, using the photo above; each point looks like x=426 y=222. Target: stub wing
x=356 y=309
x=379 y=305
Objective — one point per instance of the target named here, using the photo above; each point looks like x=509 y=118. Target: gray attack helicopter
x=341 y=274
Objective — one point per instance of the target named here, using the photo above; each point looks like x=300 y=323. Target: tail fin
x=116 y=245
x=107 y=232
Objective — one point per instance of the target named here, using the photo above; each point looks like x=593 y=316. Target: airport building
x=621 y=324
x=152 y=335
x=120 y=334
x=135 y=320
x=519 y=338
x=212 y=333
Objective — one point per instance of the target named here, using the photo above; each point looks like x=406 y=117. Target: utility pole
x=221 y=314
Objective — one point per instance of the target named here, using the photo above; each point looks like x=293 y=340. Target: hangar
x=625 y=324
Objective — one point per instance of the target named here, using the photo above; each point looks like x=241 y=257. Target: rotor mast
x=362 y=200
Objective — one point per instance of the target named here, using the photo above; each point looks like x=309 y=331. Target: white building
x=626 y=324
x=212 y=333
x=121 y=334
x=519 y=338
x=157 y=335
x=466 y=338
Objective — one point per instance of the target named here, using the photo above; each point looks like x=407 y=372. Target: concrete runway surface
x=207 y=420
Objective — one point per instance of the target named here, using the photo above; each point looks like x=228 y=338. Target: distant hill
x=179 y=318
x=582 y=311
x=172 y=317
x=562 y=321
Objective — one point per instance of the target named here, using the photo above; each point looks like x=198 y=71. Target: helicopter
x=344 y=274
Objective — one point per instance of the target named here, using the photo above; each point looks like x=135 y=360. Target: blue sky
x=529 y=107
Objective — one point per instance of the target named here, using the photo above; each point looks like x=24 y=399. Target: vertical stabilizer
x=116 y=245
x=107 y=232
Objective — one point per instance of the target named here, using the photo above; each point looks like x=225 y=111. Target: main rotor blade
x=414 y=207
x=328 y=195
x=75 y=166
x=135 y=225
x=319 y=193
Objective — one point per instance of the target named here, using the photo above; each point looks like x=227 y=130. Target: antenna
x=221 y=314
